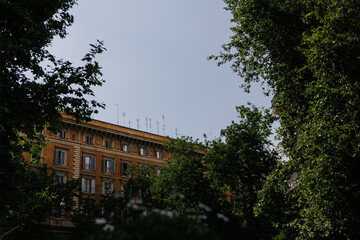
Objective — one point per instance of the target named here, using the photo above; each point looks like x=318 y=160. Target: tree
x=238 y=166
x=181 y=184
x=35 y=88
x=307 y=53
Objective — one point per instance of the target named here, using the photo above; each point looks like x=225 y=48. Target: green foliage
x=307 y=53
x=139 y=184
x=35 y=88
x=181 y=184
x=39 y=198
x=155 y=226
x=238 y=166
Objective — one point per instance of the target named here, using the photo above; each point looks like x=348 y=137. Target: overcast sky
x=156 y=63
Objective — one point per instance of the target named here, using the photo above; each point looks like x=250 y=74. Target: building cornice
x=131 y=135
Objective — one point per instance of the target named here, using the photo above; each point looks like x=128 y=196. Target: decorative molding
x=120 y=154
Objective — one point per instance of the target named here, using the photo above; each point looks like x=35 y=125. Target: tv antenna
x=129 y=123
x=117 y=114
x=147 y=126
x=163 y=119
x=150 y=123
x=124 y=118
x=138 y=124
x=157 y=127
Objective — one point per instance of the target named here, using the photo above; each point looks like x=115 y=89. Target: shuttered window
x=107 y=187
x=108 y=166
x=127 y=147
x=160 y=154
x=88 y=140
x=60 y=157
x=108 y=144
x=62 y=134
x=144 y=151
x=60 y=178
x=88 y=185
x=89 y=163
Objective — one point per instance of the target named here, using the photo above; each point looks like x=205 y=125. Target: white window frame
x=89 y=140
x=62 y=134
x=127 y=147
x=108 y=144
x=107 y=191
x=108 y=165
x=59 y=176
x=60 y=157
x=144 y=151
x=89 y=162
x=88 y=185
x=160 y=154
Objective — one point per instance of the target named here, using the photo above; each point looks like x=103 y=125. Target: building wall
x=75 y=146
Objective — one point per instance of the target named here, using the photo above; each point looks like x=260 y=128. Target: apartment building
x=100 y=154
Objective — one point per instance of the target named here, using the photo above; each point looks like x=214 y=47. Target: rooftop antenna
x=176 y=132
x=117 y=114
x=124 y=118
x=147 y=126
x=150 y=123
x=129 y=123
x=138 y=125
x=157 y=127
x=163 y=118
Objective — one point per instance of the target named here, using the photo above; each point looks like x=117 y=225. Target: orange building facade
x=100 y=154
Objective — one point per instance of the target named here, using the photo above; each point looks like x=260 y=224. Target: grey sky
x=156 y=63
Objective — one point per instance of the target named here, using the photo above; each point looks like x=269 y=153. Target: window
x=108 y=166
x=89 y=163
x=125 y=169
x=108 y=144
x=144 y=151
x=123 y=186
x=127 y=147
x=60 y=157
x=60 y=178
x=157 y=171
x=88 y=140
x=160 y=154
x=88 y=185
x=62 y=134
x=107 y=188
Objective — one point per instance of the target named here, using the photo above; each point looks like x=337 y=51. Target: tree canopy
x=306 y=52
x=238 y=166
x=35 y=88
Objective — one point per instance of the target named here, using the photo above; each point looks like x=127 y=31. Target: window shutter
x=112 y=166
x=104 y=165
x=83 y=185
x=162 y=155
x=93 y=186
x=130 y=147
x=56 y=156
x=146 y=152
x=63 y=157
x=93 y=163
x=84 y=162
